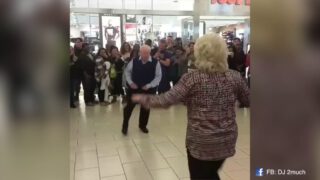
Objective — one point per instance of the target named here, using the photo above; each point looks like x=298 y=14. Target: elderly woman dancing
x=210 y=93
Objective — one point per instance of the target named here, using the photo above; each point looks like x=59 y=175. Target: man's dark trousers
x=144 y=113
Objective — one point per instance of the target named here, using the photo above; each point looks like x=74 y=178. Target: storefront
x=229 y=18
x=99 y=22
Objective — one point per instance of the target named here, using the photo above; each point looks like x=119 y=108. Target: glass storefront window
x=111 y=30
x=139 y=28
x=86 y=26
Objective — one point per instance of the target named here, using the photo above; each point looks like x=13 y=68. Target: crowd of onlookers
x=102 y=74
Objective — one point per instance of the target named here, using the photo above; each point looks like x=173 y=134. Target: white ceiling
x=186 y=5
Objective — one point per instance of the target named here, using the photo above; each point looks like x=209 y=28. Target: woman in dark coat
x=116 y=72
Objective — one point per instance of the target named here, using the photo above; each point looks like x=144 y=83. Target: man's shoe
x=96 y=102
x=90 y=104
x=241 y=106
x=104 y=103
x=124 y=99
x=124 y=131
x=114 y=99
x=144 y=130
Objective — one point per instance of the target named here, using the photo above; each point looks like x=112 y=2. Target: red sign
x=232 y=2
x=130 y=25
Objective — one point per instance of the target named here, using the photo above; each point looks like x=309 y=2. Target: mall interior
x=99 y=149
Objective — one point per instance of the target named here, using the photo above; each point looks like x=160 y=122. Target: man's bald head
x=145 y=48
x=145 y=52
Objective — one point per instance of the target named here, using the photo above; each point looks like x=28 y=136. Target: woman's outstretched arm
x=177 y=94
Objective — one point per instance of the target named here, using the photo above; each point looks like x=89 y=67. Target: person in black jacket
x=165 y=60
x=237 y=57
x=76 y=77
x=72 y=77
x=78 y=47
x=117 y=65
x=78 y=72
x=88 y=69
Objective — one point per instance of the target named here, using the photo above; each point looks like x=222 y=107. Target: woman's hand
x=138 y=98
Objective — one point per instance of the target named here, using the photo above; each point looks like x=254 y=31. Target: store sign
x=231 y=2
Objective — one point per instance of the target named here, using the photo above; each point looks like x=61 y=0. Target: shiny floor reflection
x=100 y=152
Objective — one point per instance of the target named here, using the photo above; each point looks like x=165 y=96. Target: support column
x=200 y=7
x=101 y=31
x=196 y=20
x=196 y=25
x=246 y=37
x=123 y=28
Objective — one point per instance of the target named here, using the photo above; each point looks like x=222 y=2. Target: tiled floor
x=100 y=152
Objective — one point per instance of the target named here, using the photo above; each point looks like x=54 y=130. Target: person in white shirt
x=102 y=76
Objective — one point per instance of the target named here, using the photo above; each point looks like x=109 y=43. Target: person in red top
x=210 y=93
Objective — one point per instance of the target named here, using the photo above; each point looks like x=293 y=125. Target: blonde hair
x=211 y=54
